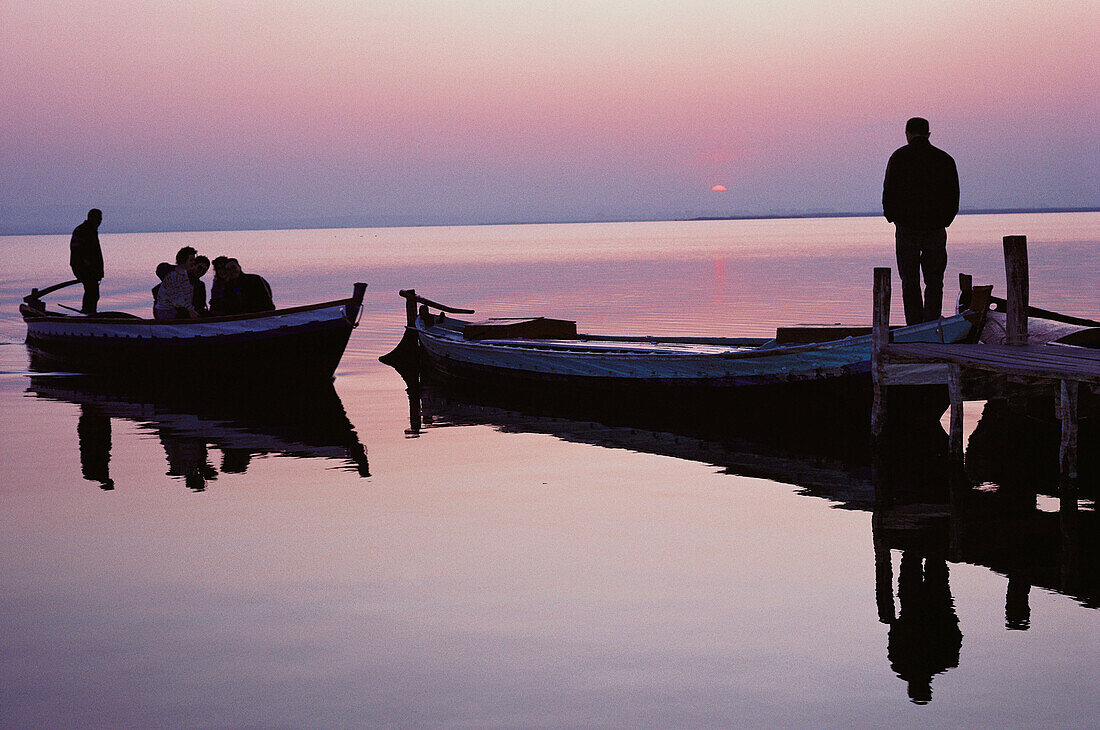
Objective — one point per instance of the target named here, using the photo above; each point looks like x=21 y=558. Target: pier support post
x=880 y=336
x=1067 y=450
x=1016 y=280
x=954 y=391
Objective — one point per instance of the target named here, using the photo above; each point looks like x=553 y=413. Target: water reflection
x=924 y=637
x=93 y=431
x=241 y=425
x=926 y=512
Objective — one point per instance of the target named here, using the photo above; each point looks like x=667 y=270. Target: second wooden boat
x=792 y=377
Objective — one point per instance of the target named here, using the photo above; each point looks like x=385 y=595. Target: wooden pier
x=966 y=366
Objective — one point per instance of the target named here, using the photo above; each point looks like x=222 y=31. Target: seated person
x=224 y=298
x=162 y=270
x=235 y=292
x=255 y=291
x=202 y=265
x=176 y=296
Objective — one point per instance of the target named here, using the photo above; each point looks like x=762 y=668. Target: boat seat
x=802 y=334
x=508 y=328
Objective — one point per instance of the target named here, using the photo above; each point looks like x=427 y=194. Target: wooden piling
x=1067 y=449
x=954 y=391
x=1016 y=279
x=880 y=337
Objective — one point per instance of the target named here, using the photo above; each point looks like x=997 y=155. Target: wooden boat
x=819 y=374
x=297 y=343
x=1043 y=325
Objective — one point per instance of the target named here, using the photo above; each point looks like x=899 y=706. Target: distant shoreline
x=973 y=211
x=338 y=222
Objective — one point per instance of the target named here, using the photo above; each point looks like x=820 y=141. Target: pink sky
x=438 y=111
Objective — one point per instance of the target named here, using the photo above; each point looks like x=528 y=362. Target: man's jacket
x=85 y=256
x=921 y=189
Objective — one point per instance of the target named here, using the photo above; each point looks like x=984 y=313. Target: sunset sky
x=192 y=113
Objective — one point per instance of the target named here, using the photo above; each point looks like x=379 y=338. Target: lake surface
x=175 y=563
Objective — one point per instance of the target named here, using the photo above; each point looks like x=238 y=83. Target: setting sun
x=719 y=188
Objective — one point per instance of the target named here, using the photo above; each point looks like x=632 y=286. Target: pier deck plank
x=1037 y=361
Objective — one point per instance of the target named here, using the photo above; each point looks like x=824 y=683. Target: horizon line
x=304 y=224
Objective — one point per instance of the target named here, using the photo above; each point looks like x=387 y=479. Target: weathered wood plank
x=1037 y=361
x=1067 y=450
x=954 y=390
x=1016 y=277
x=880 y=337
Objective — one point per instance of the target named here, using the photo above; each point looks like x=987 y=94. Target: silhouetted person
x=924 y=638
x=93 y=433
x=920 y=196
x=176 y=296
x=235 y=292
x=223 y=294
x=86 y=258
x=202 y=265
x=162 y=271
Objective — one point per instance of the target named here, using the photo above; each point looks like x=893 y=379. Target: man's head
x=233 y=268
x=95 y=217
x=219 y=267
x=185 y=257
x=202 y=265
x=915 y=128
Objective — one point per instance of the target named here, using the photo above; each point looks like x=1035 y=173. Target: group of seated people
x=181 y=293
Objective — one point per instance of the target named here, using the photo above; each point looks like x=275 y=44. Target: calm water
x=319 y=565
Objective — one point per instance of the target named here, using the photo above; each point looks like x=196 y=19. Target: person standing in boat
x=920 y=196
x=86 y=259
x=176 y=297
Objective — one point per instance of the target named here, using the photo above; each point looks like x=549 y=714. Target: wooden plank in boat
x=802 y=334
x=503 y=328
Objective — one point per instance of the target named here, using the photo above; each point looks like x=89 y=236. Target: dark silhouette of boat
x=296 y=343
x=806 y=376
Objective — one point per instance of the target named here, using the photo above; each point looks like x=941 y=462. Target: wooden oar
x=39 y=293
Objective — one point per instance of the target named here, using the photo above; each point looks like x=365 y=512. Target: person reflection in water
x=93 y=433
x=187 y=458
x=925 y=638
x=235 y=461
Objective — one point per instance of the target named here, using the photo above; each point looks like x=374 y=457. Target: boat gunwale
x=568 y=348
x=27 y=311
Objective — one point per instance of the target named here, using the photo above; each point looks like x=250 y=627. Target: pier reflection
x=188 y=424
x=926 y=514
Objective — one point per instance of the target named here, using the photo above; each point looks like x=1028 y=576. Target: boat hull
x=841 y=401
x=303 y=343
x=812 y=387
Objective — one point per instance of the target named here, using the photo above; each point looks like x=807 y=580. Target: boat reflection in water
x=239 y=424
x=925 y=513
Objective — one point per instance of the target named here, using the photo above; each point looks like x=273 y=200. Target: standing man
x=86 y=258
x=920 y=196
